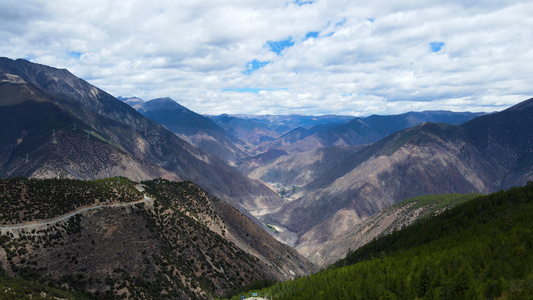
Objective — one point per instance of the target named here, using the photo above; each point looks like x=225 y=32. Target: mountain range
x=310 y=133
x=256 y=129
x=57 y=125
x=313 y=182
x=235 y=138
x=340 y=173
x=486 y=154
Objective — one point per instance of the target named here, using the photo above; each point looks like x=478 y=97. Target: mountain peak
x=164 y=99
x=163 y=104
x=132 y=101
x=524 y=105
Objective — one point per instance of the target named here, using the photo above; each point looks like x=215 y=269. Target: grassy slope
x=481 y=249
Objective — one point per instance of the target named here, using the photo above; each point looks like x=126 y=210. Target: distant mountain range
x=234 y=138
x=256 y=129
x=357 y=131
x=486 y=154
x=237 y=137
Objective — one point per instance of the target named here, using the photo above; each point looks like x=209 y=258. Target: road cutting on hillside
x=31 y=224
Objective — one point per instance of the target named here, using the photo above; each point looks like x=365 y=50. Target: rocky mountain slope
x=196 y=129
x=55 y=124
x=484 y=155
x=299 y=169
x=43 y=139
x=181 y=243
x=287 y=163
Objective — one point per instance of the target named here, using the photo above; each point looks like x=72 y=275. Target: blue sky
x=278 y=46
x=254 y=65
x=281 y=57
x=436 y=46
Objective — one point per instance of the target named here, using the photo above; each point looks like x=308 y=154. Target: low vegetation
x=23 y=200
x=171 y=248
x=16 y=289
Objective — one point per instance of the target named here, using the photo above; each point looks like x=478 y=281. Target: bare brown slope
x=242 y=231
x=296 y=169
x=427 y=159
x=41 y=139
x=506 y=140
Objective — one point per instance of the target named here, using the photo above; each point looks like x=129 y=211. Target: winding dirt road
x=71 y=214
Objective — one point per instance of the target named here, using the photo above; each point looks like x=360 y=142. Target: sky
x=286 y=57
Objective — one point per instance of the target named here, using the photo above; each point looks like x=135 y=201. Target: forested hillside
x=481 y=249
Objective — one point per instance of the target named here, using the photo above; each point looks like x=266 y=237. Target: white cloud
x=367 y=58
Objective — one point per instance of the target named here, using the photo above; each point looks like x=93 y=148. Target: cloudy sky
x=280 y=57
